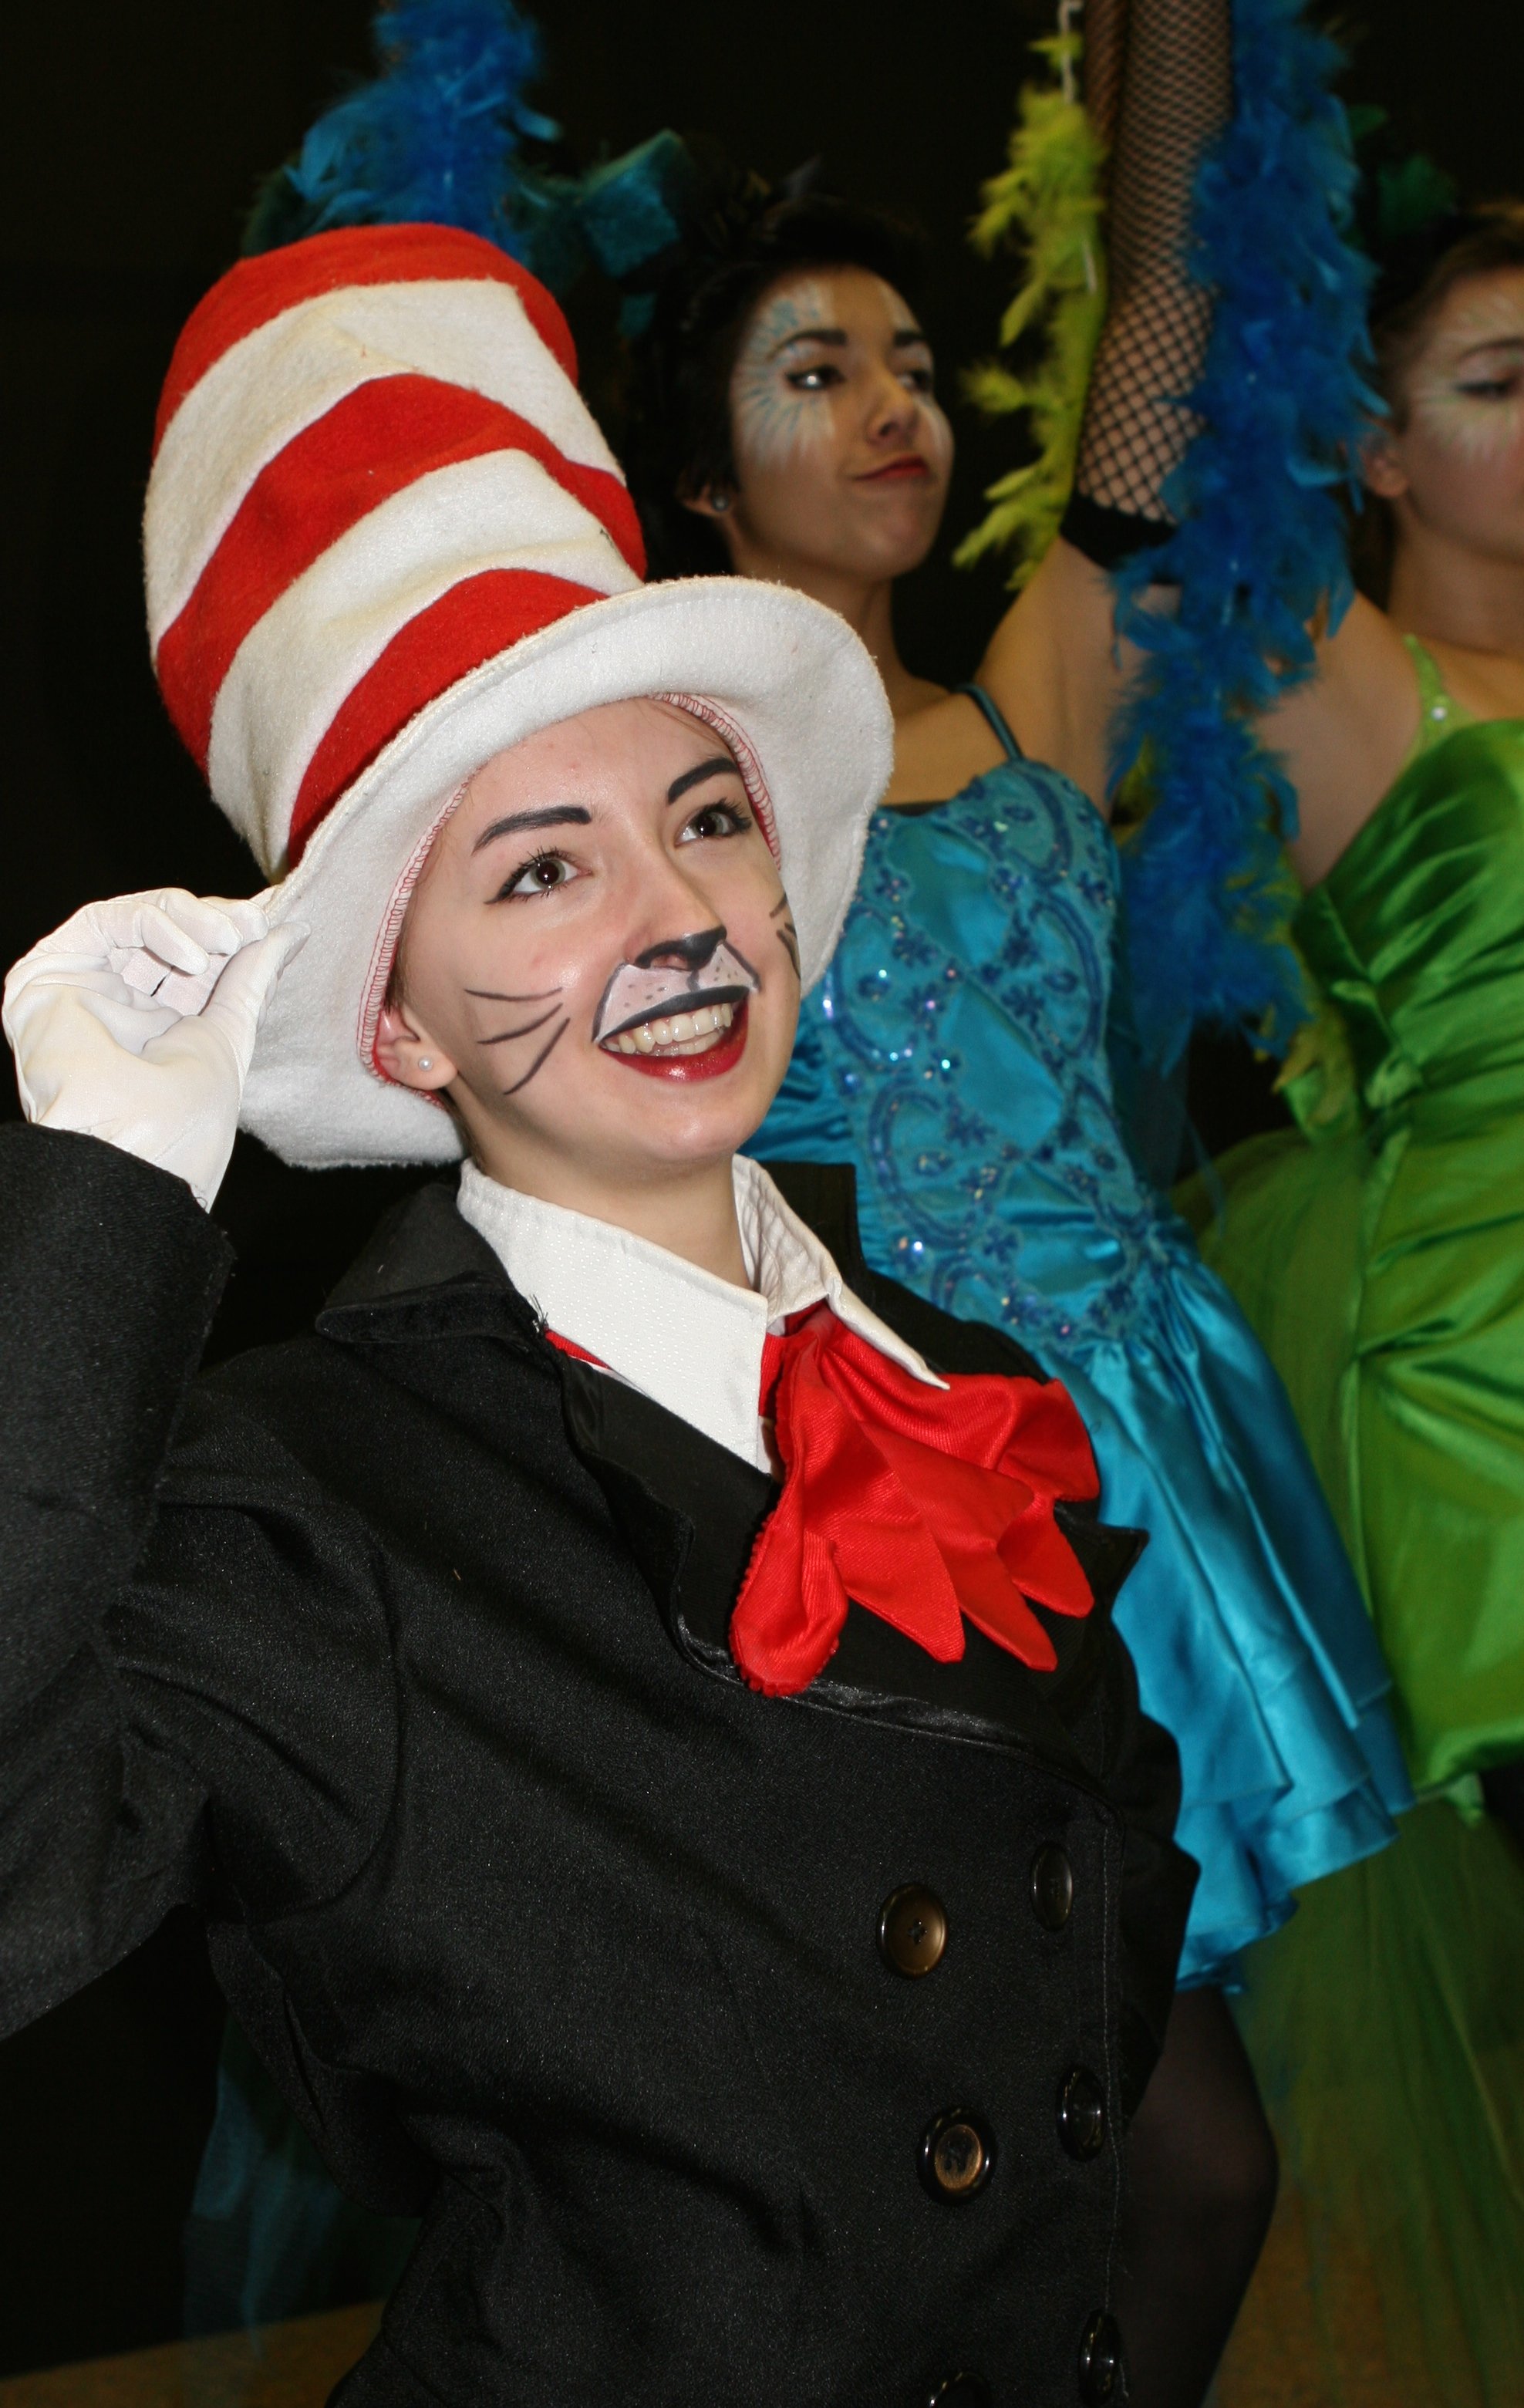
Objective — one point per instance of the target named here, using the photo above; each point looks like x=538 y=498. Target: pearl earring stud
x=425 y=1061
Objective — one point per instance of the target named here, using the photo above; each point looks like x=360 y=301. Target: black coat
x=399 y=1651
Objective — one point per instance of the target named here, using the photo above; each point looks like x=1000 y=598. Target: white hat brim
x=786 y=673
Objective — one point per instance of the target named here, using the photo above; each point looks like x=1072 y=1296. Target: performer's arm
x=109 y=1277
x=1345 y=735
x=1054 y=665
x=148 y=1725
x=1105 y=28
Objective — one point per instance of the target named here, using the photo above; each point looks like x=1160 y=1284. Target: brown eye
x=540 y=876
x=716 y=818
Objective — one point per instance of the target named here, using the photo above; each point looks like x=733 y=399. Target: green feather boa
x=1047 y=204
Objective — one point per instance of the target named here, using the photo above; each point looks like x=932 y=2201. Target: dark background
x=134 y=131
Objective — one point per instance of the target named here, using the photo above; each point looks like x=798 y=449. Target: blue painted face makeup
x=842 y=450
x=822 y=345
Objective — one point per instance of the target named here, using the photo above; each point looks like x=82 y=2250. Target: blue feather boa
x=436 y=137
x=1260 y=549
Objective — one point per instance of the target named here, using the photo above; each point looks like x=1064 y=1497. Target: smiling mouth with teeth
x=684 y=1032
x=682 y=1046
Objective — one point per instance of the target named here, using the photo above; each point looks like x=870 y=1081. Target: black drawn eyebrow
x=558 y=815
x=541 y=1058
x=720 y=766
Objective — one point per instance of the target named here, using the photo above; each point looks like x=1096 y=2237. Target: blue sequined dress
x=957 y=1053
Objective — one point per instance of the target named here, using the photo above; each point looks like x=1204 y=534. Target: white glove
x=135 y=1022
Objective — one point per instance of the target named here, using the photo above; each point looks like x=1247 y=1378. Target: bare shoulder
x=1056 y=669
x=937 y=749
x=1488 y=685
x=1343 y=736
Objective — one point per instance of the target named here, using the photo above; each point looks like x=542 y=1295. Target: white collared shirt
x=688 y=1340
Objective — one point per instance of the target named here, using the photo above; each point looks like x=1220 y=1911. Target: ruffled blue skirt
x=1252 y=1645
x=1251 y=1641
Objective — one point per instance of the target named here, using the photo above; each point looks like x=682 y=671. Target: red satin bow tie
x=922 y=1504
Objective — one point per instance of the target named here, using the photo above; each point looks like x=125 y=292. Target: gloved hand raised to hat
x=136 y=1021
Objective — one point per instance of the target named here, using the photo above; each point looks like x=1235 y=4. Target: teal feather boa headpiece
x=439 y=136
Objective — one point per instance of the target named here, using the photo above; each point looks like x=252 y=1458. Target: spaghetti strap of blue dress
x=957 y=1054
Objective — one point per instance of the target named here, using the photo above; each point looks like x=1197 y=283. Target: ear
x=1381 y=469
x=403 y=1048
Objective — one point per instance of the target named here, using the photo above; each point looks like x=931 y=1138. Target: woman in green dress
x=1379 y=1250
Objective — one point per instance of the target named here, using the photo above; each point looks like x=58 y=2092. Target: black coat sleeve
x=177 y=1613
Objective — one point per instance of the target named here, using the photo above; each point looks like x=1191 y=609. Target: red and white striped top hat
x=385 y=540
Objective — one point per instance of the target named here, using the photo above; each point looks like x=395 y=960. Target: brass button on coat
x=1082 y=2114
x=959 y=2391
x=958 y=2154
x=912 y=1929
x=1102 y=2370
x=1053 y=1887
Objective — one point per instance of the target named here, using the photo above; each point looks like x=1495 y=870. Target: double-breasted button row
x=1082 y=2114
x=1100 y=2373
x=1102 y=2367
x=912 y=1929
x=958 y=2154
x=913 y=1920
x=1052 y=1887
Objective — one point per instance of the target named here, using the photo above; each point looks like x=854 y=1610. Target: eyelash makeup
x=740 y=817
x=507 y=891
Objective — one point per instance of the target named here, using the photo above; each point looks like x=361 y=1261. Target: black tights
x=1202 y=2173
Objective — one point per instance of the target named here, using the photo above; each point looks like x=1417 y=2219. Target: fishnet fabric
x=1104 y=24
x=1175 y=98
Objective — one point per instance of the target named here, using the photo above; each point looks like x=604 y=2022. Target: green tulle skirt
x=1379 y=1257
x=1385 y=2023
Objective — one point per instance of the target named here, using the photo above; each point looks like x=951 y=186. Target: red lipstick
x=685 y=1068
x=909 y=465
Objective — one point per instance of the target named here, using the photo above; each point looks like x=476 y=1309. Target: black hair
x=1416 y=276
x=677 y=382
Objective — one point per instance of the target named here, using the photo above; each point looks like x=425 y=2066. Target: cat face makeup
x=596 y=963
x=683 y=993
x=842 y=451
x=1455 y=464
x=1466 y=388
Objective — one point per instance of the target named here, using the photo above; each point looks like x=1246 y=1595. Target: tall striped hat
x=385 y=540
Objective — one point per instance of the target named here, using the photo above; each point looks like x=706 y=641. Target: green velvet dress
x=1378 y=1251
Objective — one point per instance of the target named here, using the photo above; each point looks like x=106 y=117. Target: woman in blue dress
x=962 y=1051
